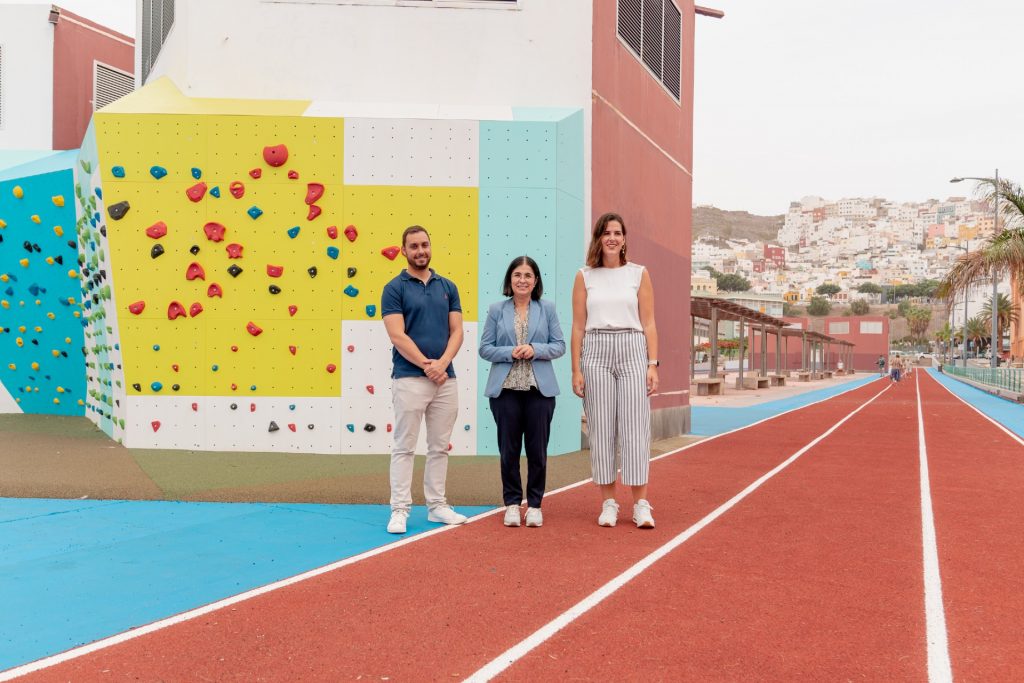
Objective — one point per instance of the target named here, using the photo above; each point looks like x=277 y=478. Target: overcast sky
x=837 y=98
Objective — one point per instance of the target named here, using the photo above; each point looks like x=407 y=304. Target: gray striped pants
x=614 y=365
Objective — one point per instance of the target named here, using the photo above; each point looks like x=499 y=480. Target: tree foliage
x=869 y=288
x=828 y=289
x=860 y=307
x=918 y=318
x=819 y=306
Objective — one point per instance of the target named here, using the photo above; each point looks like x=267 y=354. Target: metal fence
x=1004 y=378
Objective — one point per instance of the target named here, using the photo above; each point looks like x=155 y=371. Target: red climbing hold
x=292 y=350
x=137 y=307
x=157 y=230
x=214 y=290
x=449 y=446
x=234 y=387
x=234 y=250
x=314 y=191
x=236 y=189
x=390 y=252
x=314 y=211
x=293 y=175
x=291 y=427
x=234 y=349
x=195 y=272
x=369 y=388
x=174 y=367
x=390 y=427
x=254 y=329
x=195 y=407
x=196 y=192
x=350 y=348
x=332 y=232
x=331 y=368
x=252 y=407
x=351 y=233
x=176 y=310
x=276 y=155
x=156 y=425
x=274 y=271
x=214 y=231
x=292 y=310
x=195 y=309
x=256 y=172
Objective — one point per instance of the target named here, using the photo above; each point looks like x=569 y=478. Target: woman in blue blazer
x=520 y=338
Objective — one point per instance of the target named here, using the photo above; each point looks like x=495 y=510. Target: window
x=109 y=85
x=839 y=328
x=872 y=327
x=157 y=19
x=652 y=29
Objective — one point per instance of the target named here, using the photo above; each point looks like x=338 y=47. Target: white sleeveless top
x=612 y=297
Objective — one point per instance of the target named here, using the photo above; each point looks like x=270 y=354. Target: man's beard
x=414 y=266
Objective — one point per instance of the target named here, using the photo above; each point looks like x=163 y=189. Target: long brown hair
x=594 y=252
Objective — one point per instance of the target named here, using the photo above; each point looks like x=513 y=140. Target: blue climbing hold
x=215 y=191
x=99 y=192
x=350 y=427
x=156 y=386
x=252 y=388
x=293 y=232
x=351 y=291
x=291 y=406
x=158 y=172
x=196 y=173
x=117 y=171
x=466 y=428
x=332 y=252
x=156 y=347
x=371 y=310
x=254 y=212
x=33 y=289
x=215 y=368
x=9 y=291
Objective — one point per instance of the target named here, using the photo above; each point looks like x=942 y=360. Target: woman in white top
x=615 y=365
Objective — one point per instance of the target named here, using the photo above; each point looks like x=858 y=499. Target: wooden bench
x=778 y=380
x=827 y=374
x=803 y=376
x=709 y=386
x=753 y=382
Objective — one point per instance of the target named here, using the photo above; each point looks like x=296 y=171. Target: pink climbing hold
x=292 y=310
x=234 y=250
x=314 y=191
x=195 y=407
x=292 y=350
x=137 y=307
x=195 y=309
x=351 y=233
x=196 y=192
x=291 y=427
x=332 y=232
x=369 y=388
x=214 y=290
x=157 y=230
x=350 y=348
x=214 y=231
x=313 y=212
x=195 y=272
x=390 y=252
x=236 y=189
x=274 y=271
x=293 y=175
x=253 y=329
x=176 y=310
x=256 y=173
x=275 y=156
x=156 y=425
x=332 y=368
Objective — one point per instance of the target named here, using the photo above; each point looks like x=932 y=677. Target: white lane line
x=978 y=411
x=118 y=638
x=517 y=652
x=939 y=668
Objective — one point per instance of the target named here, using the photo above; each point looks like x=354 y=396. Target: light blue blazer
x=499 y=338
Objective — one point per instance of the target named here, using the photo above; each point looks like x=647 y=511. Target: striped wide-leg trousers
x=614 y=365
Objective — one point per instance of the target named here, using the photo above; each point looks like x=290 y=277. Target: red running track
x=816 y=574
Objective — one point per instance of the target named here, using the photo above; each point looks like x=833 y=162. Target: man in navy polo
x=423 y=317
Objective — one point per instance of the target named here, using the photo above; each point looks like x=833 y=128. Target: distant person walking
x=615 y=366
x=881 y=365
x=423 y=317
x=895 y=365
x=521 y=337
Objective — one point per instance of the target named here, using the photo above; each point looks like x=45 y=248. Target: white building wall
x=26 y=38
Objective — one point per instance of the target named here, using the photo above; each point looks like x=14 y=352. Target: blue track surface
x=1006 y=413
x=75 y=571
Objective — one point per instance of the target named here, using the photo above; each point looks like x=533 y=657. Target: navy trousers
x=523 y=416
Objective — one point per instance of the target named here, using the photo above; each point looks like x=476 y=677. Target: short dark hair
x=412 y=229
x=538 y=290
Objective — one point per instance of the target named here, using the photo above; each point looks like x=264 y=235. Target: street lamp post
x=966 y=250
x=994 y=361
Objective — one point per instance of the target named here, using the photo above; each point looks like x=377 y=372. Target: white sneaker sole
x=511 y=524
x=606 y=523
x=534 y=524
x=644 y=525
x=432 y=518
x=396 y=530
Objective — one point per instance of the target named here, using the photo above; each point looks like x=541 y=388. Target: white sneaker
x=512 y=515
x=398 y=520
x=609 y=513
x=642 y=514
x=446 y=515
x=534 y=517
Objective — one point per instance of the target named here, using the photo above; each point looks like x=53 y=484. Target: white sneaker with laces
x=398 y=520
x=446 y=515
x=642 y=514
x=512 y=515
x=609 y=513
x=534 y=517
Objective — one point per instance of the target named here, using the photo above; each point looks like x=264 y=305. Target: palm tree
x=1006 y=315
x=975 y=331
x=943 y=337
x=918 y=318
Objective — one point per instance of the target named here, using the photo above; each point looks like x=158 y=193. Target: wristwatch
x=654 y=362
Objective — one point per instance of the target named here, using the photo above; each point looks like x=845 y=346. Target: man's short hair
x=412 y=229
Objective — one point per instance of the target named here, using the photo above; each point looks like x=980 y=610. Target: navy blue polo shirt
x=425 y=308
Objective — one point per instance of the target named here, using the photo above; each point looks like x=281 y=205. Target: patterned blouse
x=520 y=377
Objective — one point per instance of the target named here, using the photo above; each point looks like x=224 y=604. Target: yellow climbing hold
x=58 y=200
x=5 y=277
x=81 y=402
x=56 y=401
x=51 y=316
x=38 y=328
x=22 y=328
x=71 y=300
x=38 y=302
x=5 y=303
x=72 y=274
x=19 y=341
x=49 y=260
x=35 y=218
x=60 y=390
x=67 y=340
x=58 y=231
x=24 y=263
x=12 y=366
x=18 y=192
x=78 y=314
x=35 y=365
x=3 y=224
x=56 y=353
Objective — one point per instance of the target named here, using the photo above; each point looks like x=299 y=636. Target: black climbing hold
x=310 y=427
x=312 y=271
x=27 y=246
x=117 y=211
x=137 y=387
x=369 y=427
x=274 y=289
x=157 y=250
x=351 y=272
x=103 y=230
x=175 y=386
x=59 y=259
x=273 y=427
x=194 y=249
x=72 y=244
x=234 y=270
x=234 y=406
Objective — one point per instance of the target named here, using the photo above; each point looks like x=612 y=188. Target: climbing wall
x=41 y=339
